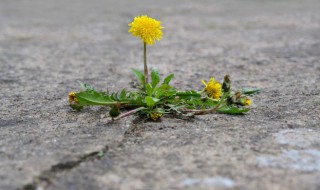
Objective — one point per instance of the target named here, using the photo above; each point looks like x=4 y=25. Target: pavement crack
x=46 y=176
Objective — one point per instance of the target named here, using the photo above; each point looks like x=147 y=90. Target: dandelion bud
x=226 y=84
x=245 y=101
x=155 y=115
x=115 y=111
x=236 y=98
x=72 y=98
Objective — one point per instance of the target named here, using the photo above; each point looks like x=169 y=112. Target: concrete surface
x=47 y=46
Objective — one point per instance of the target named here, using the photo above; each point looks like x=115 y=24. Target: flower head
x=146 y=28
x=248 y=102
x=245 y=101
x=212 y=88
x=226 y=84
x=155 y=116
x=72 y=97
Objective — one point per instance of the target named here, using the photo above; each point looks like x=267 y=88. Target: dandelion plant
x=156 y=98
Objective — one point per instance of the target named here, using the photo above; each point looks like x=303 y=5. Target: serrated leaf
x=139 y=76
x=150 y=101
x=250 y=91
x=175 y=108
x=136 y=99
x=232 y=110
x=101 y=98
x=168 y=79
x=155 y=78
x=159 y=110
x=123 y=94
x=164 y=90
x=94 y=98
x=85 y=86
x=197 y=103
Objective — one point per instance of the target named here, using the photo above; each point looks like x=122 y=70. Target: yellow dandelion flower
x=155 y=116
x=146 y=28
x=244 y=101
x=72 y=97
x=212 y=88
x=247 y=102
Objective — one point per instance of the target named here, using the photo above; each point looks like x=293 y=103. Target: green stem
x=201 y=112
x=145 y=62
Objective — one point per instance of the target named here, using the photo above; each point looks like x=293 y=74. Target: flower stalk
x=145 y=63
x=128 y=113
x=148 y=30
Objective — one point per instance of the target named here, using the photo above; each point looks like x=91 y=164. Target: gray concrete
x=47 y=46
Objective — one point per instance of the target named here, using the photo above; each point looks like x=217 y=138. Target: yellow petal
x=203 y=82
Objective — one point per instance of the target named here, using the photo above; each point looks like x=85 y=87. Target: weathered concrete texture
x=46 y=46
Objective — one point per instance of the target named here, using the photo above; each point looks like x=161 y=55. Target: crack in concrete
x=45 y=178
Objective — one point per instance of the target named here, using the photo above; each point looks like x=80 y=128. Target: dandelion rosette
x=212 y=88
x=146 y=28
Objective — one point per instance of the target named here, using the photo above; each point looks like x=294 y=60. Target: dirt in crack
x=45 y=178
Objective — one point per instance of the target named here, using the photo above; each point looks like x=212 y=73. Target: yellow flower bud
x=72 y=97
x=155 y=115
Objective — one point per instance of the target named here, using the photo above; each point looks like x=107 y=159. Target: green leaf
x=198 y=103
x=100 y=153
x=164 y=90
x=159 y=110
x=155 y=78
x=164 y=87
x=76 y=107
x=175 y=108
x=150 y=101
x=232 y=110
x=139 y=76
x=168 y=79
x=188 y=94
x=250 y=91
x=123 y=94
x=94 y=98
x=85 y=86
x=149 y=89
